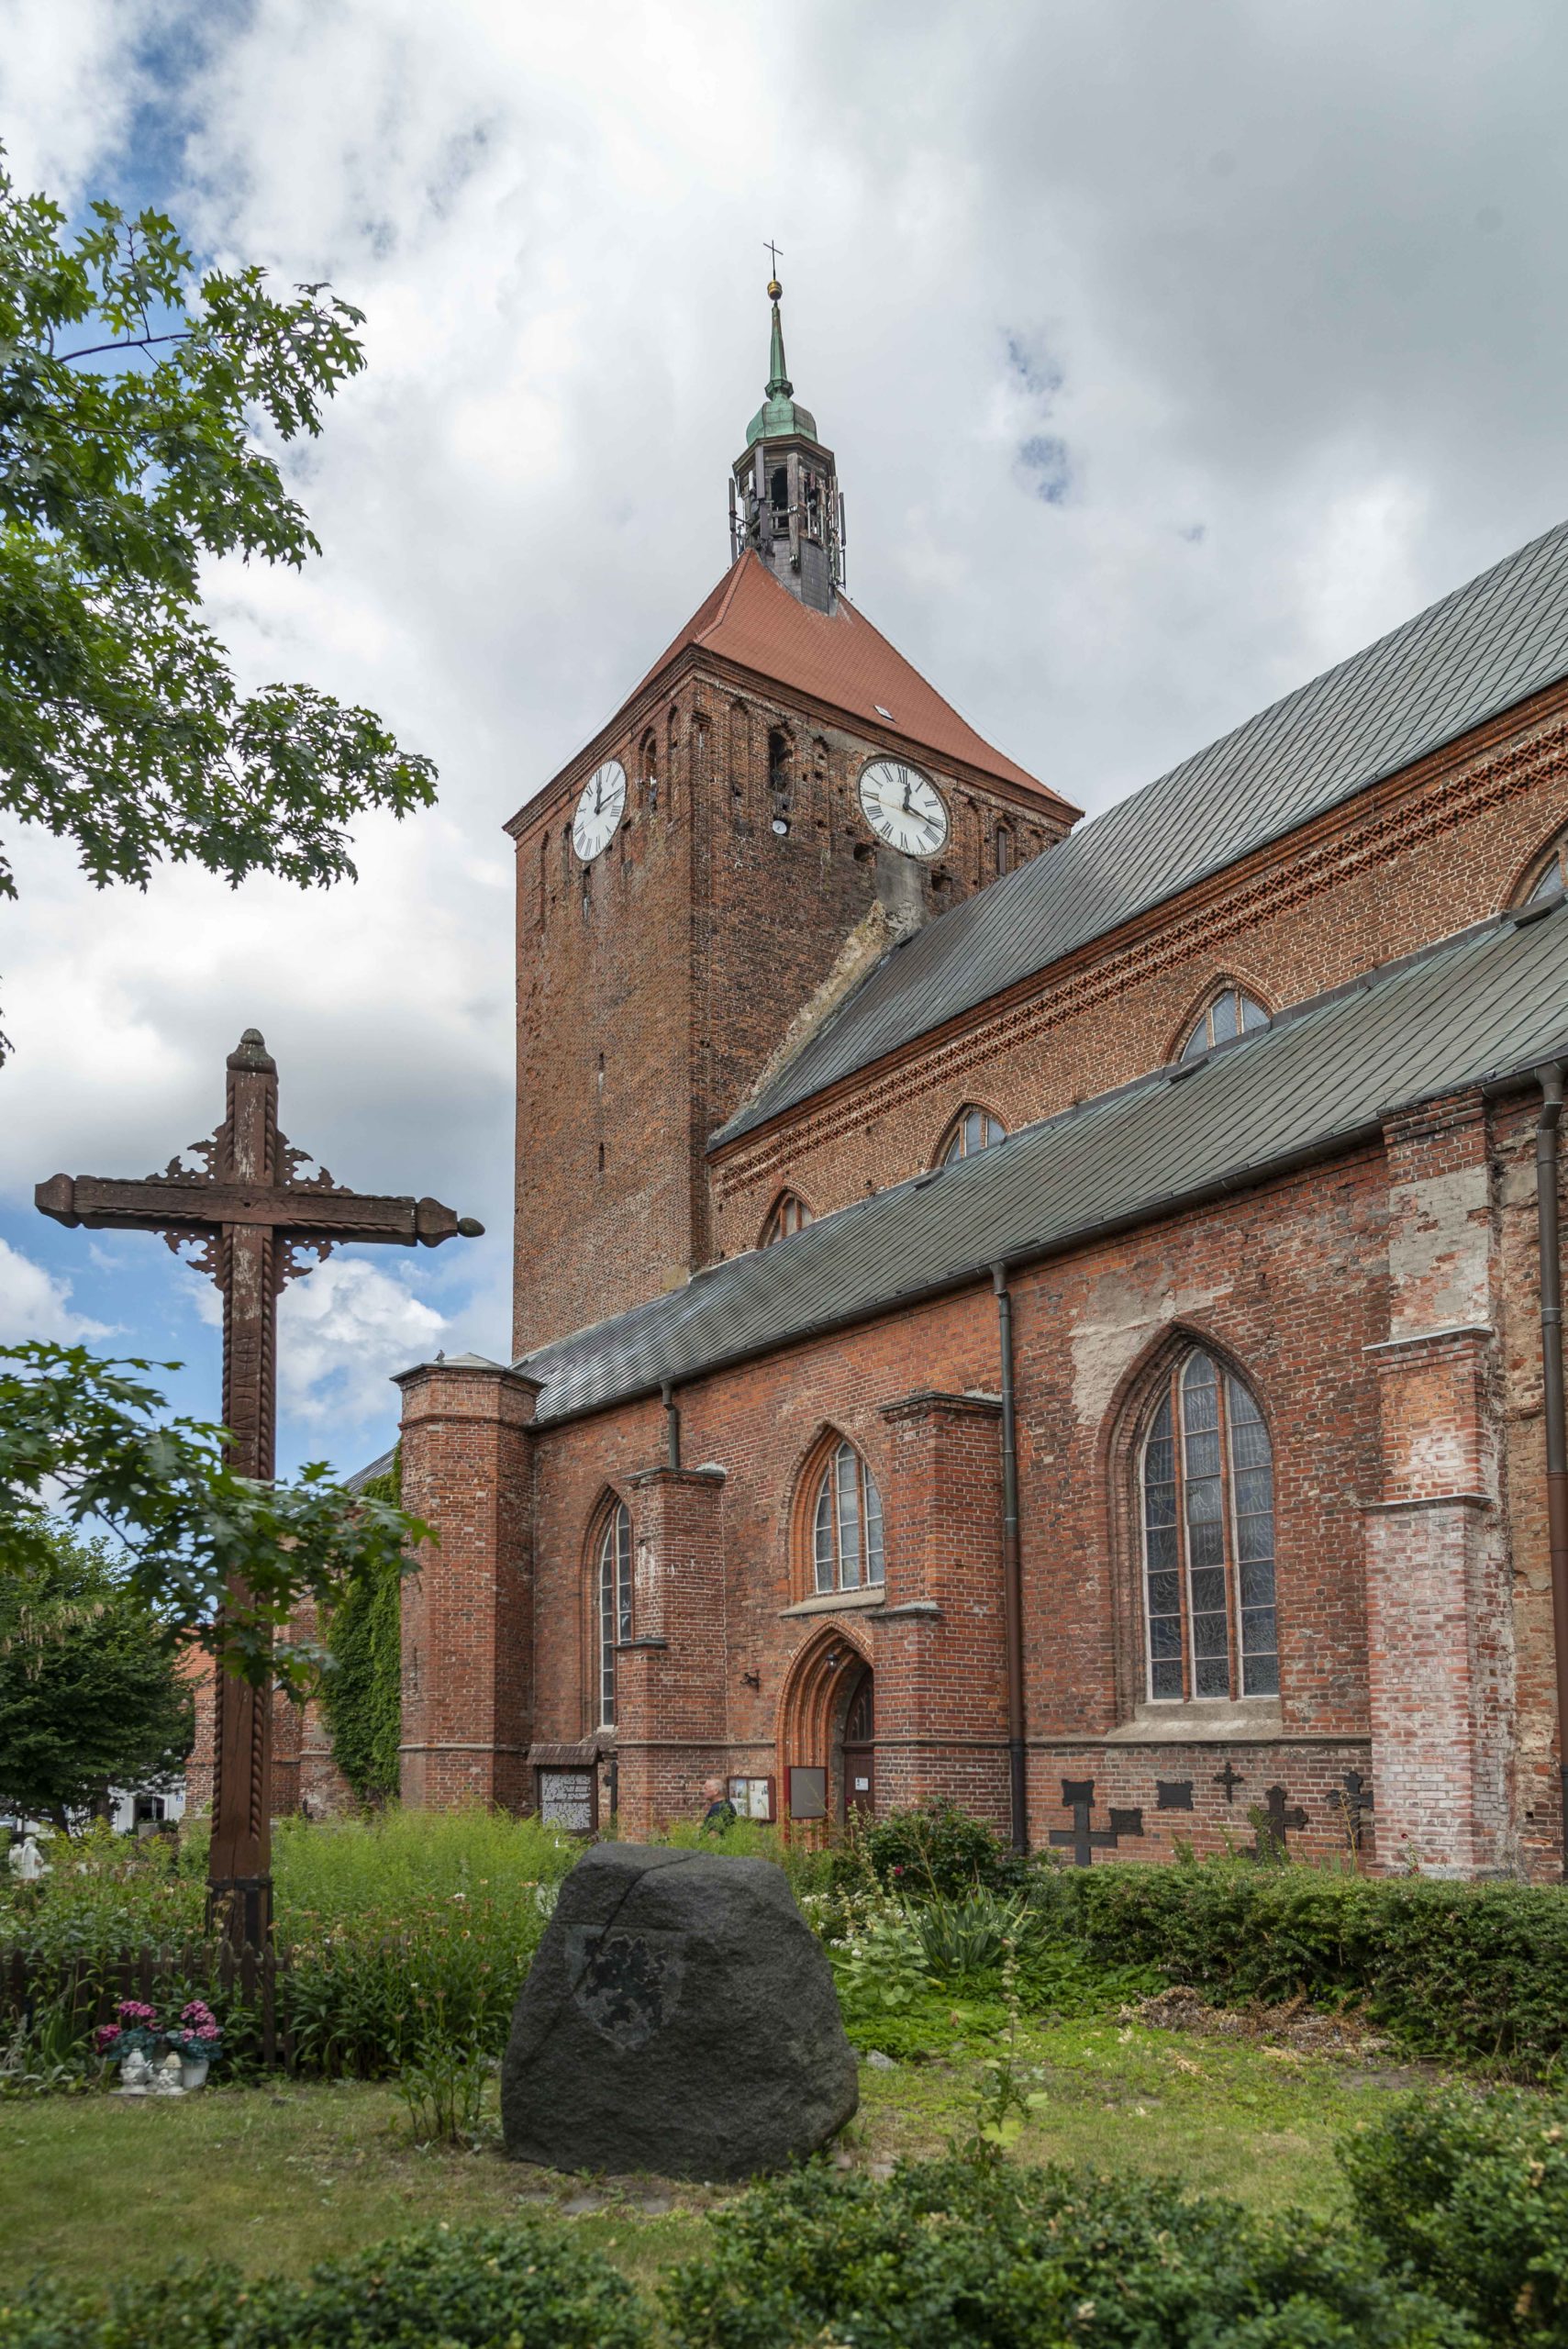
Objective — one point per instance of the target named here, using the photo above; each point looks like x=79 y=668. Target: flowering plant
x=198 y=2035
x=134 y=2027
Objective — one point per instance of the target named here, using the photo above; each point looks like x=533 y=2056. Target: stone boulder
x=679 y=2016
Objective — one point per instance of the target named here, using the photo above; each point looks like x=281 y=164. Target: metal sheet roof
x=1490 y=1003
x=1480 y=650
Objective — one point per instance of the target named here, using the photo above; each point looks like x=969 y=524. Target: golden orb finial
x=775 y=289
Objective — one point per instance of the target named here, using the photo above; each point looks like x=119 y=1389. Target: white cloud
x=1299 y=274
x=37 y=1304
x=341 y=1333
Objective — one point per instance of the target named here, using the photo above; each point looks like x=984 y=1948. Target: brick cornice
x=930 y=1404
x=1444 y=790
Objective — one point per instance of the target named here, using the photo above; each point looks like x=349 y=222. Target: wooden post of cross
x=255 y=1219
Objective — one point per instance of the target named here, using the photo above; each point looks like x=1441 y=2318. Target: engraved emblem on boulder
x=628 y=1985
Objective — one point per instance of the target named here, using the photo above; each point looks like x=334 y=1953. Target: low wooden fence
x=92 y=1987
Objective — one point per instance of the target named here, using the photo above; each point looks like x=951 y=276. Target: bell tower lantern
x=784 y=489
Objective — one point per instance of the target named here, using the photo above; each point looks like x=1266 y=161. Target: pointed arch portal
x=827 y=1723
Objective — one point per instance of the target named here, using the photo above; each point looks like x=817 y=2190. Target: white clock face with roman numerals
x=903 y=808
x=599 y=810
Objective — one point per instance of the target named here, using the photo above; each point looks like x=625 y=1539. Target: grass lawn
x=279 y=2176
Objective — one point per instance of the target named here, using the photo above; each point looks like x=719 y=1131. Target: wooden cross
x=255 y=1219
x=1271 y=1822
x=1081 y=1839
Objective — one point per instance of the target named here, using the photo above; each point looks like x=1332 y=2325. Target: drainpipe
x=1546 y=1142
x=1012 y=1575
x=671 y=1426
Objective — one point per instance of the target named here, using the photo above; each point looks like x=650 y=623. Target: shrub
x=1473 y=1971
x=936 y=1849
x=523 y=2287
x=1471 y=2194
x=361 y=1696
x=951 y=2253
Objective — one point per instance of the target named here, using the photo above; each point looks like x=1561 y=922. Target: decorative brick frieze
x=1436 y=827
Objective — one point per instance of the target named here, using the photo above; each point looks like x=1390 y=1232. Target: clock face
x=599 y=809
x=903 y=808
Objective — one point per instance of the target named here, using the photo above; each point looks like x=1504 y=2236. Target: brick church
x=1040 y=1311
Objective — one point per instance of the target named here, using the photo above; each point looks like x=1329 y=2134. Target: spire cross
x=772 y=251
x=255 y=1220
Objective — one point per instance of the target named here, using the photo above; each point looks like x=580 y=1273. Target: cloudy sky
x=1170 y=352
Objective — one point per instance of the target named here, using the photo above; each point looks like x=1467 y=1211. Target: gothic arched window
x=846 y=1524
x=1209 y=1539
x=613 y=1596
x=1233 y=1012
x=787 y=1214
x=1004 y=850
x=1551 y=880
x=971 y=1130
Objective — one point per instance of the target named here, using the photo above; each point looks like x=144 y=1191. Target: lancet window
x=1551 y=880
x=613 y=1576
x=846 y=1524
x=971 y=1130
x=788 y=1214
x=1233 y=1012
x=1208 y=1540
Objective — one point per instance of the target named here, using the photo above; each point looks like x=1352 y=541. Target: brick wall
x=1442 y=845
x=656 y=984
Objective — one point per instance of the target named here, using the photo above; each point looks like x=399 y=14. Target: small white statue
x=27 y=1861
x=136 y=2072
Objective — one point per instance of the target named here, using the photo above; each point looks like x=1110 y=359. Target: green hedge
x=950 y=2253
x=523 y=2287
x=1477 y=1972
x=1470 y=2196
x=1455 y=2235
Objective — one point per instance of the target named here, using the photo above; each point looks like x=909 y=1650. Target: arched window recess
x=1207 y=1512
x=844 y=1523
x=1230 y=1011
x=972 y=1129
x=1547 y=877
x=612 y=1602
x=788 y=1214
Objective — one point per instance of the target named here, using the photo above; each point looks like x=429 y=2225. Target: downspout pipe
x=1547 y=1145
x=1012 y=1572
x=671 y=1426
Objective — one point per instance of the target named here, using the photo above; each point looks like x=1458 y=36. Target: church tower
x=785 y=501
x=780 y=800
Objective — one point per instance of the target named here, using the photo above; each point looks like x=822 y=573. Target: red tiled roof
x=836 y=658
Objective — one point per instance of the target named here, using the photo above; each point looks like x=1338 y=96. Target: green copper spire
x=780 y=414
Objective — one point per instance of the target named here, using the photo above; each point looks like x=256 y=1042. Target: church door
x=860 y=1753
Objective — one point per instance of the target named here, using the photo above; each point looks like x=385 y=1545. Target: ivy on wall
x=363 y=1696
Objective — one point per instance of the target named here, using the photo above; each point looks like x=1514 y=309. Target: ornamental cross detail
x=1353 y=1801
x=1271 y=1822
x=1082 y=1840
x=253 y=1216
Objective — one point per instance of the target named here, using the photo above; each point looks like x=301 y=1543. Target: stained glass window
x=614 y=1603
x=1233 y=1012
x=787 y=1214
x=846 y=1524
x=1208 y=1540
x=971 y=1130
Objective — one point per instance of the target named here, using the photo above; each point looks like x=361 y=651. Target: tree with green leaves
x=141 y=403
x=90 y=1697
x=218 y=1560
